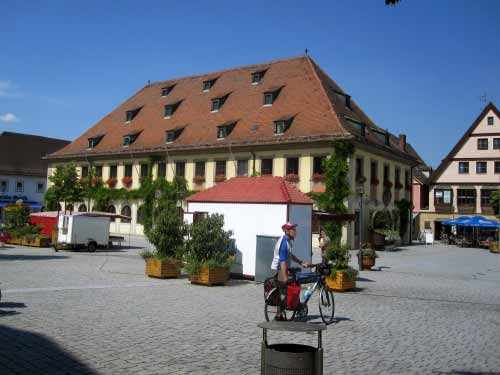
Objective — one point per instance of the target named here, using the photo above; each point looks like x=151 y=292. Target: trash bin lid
x=292 y=326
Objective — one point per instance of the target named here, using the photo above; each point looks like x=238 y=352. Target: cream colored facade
x=455 y=184
x=372 y=201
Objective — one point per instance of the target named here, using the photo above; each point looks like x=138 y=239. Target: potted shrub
x=369 y=256
x=167 y=235
x=342 y=276
x=111 y=182
x=208 y=251
x=494 y=247
x=127 y=181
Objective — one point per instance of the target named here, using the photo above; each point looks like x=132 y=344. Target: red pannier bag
x=293 y=296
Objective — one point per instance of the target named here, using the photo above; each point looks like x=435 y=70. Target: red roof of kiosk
x=264 y=189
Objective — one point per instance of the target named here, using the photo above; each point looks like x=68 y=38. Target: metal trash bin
x=291 y=359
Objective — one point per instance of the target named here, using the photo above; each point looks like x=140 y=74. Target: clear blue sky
x=418 y=68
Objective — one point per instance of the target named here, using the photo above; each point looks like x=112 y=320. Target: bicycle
x=300 y=310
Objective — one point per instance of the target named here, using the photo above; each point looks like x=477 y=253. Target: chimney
x=402 y=142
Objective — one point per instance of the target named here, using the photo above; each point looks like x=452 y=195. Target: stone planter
x=210 y=276
x=35 y=242
x=162 y=268
x=340 y=283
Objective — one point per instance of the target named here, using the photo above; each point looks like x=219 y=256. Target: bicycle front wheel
x=326 y=305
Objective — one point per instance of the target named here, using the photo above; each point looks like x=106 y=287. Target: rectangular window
x=144 y=170
x=318 y=167
x=166 y=90
x=180 y=169
x=359 y=169
x=40 y=187
x=407 y=178
x=280 y=127
x=85 y=171
x=162 y=170
x=497 y=167
x=481 y=167
x=397 y=177
x=215 y=105
x=268 y=98
x=199 y=169
x=386 y=173
x=374 y=172
x=466 y=196
x=443 y=196
x=220 y=168
x=128 y=170
x=482 y=144
x=463 y=167
x=169 y=111
x=19 y=186
x=113 y=171
x=221 y=132
x=485 y=197
x=292 y=166
x=207 y=85
x=98 y=170
x=242 y=168
x=4 y=186
x=266 y=167
x=496 y=143
x=490 y=120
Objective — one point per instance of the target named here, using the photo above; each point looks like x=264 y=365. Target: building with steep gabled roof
x=277 y=118
x=463 y=182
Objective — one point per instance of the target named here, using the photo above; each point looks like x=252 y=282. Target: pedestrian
x=324 y=241
x=281 y=263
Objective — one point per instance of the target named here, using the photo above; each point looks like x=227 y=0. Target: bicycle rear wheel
x=271 y=307
x=326 y=305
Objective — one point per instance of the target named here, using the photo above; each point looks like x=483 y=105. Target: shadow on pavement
x=364 y=279
x=8 y=313
x=45 y=356
x=30 y=257
x=461 y=372
x=11 y=305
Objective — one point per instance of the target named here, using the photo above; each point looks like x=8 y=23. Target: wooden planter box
x=340 y=282
x=162 y=268
x=494 y=247
x=36 y=242
x=210 y=276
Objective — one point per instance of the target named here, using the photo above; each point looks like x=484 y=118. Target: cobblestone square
x=430 y=310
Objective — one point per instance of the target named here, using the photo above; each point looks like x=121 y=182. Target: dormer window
x=270 y=96
x=173 y=134
x=166 y=90
x=281 y=126
x=170 y=109
x=225 y=129
x=207 y=85
x=130 y=115
x=94 y=141
x=129 y=139
x=217 y=103
x=348 y=101
x=257 y=77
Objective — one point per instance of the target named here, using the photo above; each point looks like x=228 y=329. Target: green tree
x=65 y=185
x=495 y=201
x=404 y=206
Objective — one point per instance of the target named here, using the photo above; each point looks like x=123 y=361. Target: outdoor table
x=291 y=359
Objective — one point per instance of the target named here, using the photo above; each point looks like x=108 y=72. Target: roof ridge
x=228 y=70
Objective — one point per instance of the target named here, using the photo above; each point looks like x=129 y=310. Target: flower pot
x=210 y=276
x=162 y=268
x=368 y=262
x=340 y=283
x=494 y=247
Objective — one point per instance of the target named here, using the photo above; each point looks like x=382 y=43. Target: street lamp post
x=360 y=191
x=157 y=197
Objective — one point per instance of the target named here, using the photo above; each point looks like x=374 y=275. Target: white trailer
x=80 y=231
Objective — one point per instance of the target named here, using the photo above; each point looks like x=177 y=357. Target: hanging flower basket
x=374 y=181
x=111 y=182
x=127 y=181
x=361 y=180
x=318 y=177
x=198 y=179
x=95 y=180
x=388 y=184
x=399 y=186
x=292 y=177
x=220 y=178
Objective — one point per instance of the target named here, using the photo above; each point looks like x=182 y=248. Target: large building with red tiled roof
x=277 y=118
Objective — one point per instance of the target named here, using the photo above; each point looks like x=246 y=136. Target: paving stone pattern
x=430 y=310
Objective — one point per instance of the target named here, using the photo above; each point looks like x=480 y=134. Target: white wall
x=247 y=221
x=30 y=187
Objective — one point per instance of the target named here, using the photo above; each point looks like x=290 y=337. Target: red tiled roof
x=265 y=189
x=314 y=101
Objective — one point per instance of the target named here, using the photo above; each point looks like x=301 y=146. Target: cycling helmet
x=288 y=226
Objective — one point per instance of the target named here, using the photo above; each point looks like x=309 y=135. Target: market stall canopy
x=475 y=221
x=94 y=214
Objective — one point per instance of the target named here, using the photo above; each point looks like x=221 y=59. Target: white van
x=80 y=231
